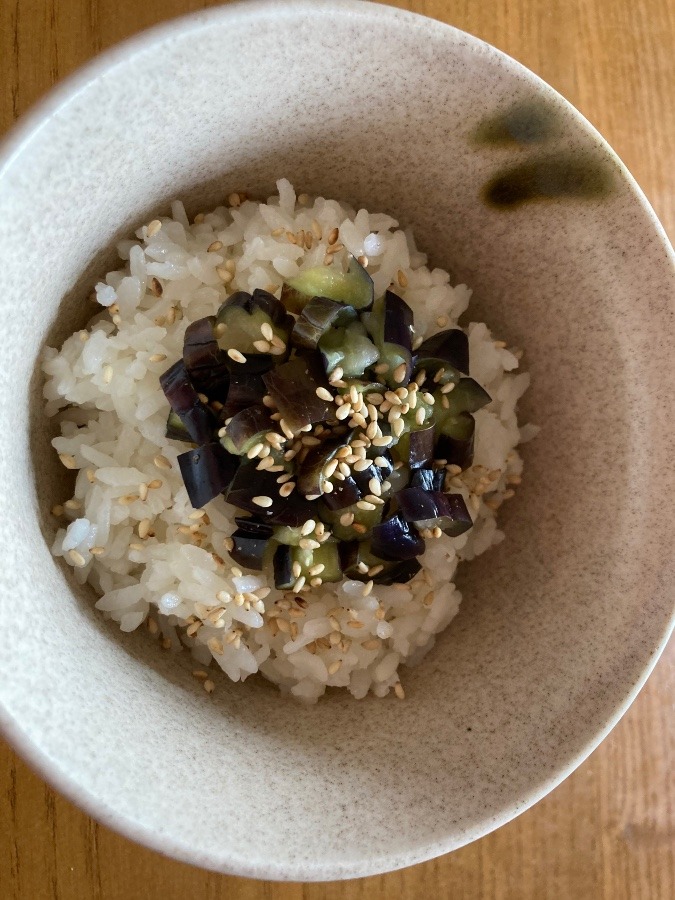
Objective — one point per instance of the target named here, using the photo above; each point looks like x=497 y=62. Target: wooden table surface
x=609 y=831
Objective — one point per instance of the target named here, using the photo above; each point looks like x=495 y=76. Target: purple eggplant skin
x=421 y=447
x=205 y=362
x=396 y=539
x=418 y=505
x=450 y=347
x=253 y=526
x=293 y=384
x=244 y=391
x=428 y=479
x=249 y=549
x=282 y=564
x=183 y=399
x=250 y=482
x=246 y=424
x=310 y=474
x=207 y=471
x=398 y=322
x=345 y=493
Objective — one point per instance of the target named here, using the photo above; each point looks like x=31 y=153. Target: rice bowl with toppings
x=157 y=560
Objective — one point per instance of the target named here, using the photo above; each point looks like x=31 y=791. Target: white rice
x=153 y=558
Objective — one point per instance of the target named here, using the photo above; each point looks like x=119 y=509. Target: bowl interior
x=559 y=624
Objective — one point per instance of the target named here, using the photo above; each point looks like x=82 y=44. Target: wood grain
x=608 y=832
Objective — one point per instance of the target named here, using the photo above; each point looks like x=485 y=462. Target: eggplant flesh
x=207 y=471
x=354 y=287
x=246 y=428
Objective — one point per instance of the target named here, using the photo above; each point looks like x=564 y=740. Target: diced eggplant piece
x=244 y=390
x=292 y=511
x=467 y=396
x=353 y=287
x=428 y=479
x=207 y=472
x=310 y=475
x=361 y=520
x=391 y=327
x=246 y=428
x=293 y=387
x=176 y=430
x=431 y=509
x=282 y=564
x=416 y=448
x=184 y=401
x=396 y=539
x=318 y=315
x=354 y=552
x=399 y=572
x=455 y=440
x=241 y=317
x=205 y=362
x=286 y=555
x=381 y=473
x=251 y=483
x=345 y=493
x=254 y=526
x=350 y=348
x=447 y=350
x=249 y=550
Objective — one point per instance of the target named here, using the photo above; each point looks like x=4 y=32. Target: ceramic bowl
x=509 y=187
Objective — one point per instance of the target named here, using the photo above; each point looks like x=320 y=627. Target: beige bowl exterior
x=560 y=624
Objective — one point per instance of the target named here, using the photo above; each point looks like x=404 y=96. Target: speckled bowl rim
x=11 y=146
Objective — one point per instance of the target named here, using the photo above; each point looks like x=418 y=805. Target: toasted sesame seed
x=333 y=236
x=155 y=484
x=286 y=429
x=74 y=503
x=225 y=275
x=450 y=386
x=83 y=336
x=399 y=372
x=382 y=441
x=398 y=427
x=402 y=278
x=398 y=690
x=361 y=465
x=254 y=450
x=420 y=415
x=364 y=504
x=317 y=569
x=153 y=227
x=262 y=346
x=374 y=486
x=336 y=374
x=373 y=498
x=68 y=460
x=380 y=461
x=209 y=686
x=263 y=501
x=334 y=667
x=214 y=245
x=367 y=588
x=143 y=528
x=372 y=644
x=299 y=584
x=265 y=464
x=236 y=355
x=343 y=470
x=287 y=489
x=324 y=394
x=57 y=510
x=327 y=487
x=77 y=558
x=363 y=260
x=330 y=467
x=308 y=544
